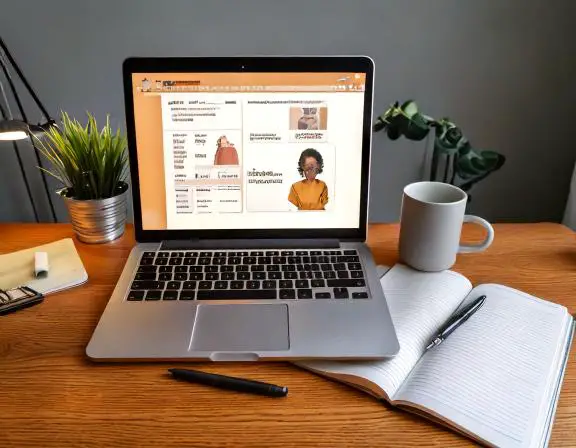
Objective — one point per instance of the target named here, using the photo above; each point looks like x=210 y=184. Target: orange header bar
x=247 y=82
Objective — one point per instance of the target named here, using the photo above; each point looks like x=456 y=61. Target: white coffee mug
x=431 y=224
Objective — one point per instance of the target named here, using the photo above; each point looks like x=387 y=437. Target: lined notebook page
x=491 y=375
x=419 y=304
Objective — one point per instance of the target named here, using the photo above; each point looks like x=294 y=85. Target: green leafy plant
x=90 y=163
x=464 y=165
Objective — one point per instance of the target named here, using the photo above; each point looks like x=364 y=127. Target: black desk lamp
x=11 y=129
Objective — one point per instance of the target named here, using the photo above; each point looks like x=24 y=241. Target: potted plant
x=92 y=166
x=464 y=166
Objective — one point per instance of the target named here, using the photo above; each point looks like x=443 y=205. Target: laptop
x=250 y=190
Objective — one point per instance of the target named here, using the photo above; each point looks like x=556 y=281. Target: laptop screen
x=249 y=150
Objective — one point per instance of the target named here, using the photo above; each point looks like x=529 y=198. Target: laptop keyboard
x=248 y=275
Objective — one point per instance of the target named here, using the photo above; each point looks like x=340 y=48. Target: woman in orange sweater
x=226 y=154
x=309 y=193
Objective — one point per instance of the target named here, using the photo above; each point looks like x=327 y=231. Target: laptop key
x=315 y=252
x=264 y=260
x=318 y=274
x=219 y=261
x=205 y=285
x=191 y=254
x=241 y=294
x=173 y=285
x=323 y=295
x=243 y=275
x=145 y=269
x=355 y=266
x=286 y=294
x=290 y=275
x=221 y=285
x=286 y=284
x=175 y=261
x=253 y=284
x=305 y=275
x=356 y=274
x=219 y=254
x=188 y=261
x=195 y=276
x=302 y=284
x=163 y=254
x=204 y=261
x=170 y=295
x=257 y=268
x=341 y=293
x=147 y=284
x=227 y=275
x=326 y=267
x=181 y=269
x=349 y=252
x=211 y=276
x=273 y=267
x=177 y=254
x=205 y=254
x=237 y=285
x=258 y=276
x=276 y=275
x=153 y=295
x=314 y=267
x=287 y=253
x=329 y=274
x=339 y=267
x=180 y=276
x=279 y=260
x=135 y=295
x=272 y=253
x=189 y=285
x=343 y=274
x=195 y=269
x=288 y=268
x=304 y=293
x=269 y=284
x=242 y=268
x=234 y=260
x=346 y=283
x=257 y=253
x=318 y=283
x=210 y=268
x=161 y=261
x=146 y=261
x=226 y=268
x=187 y=294
x=145 y=276
x=323 y=259
x=359 y=295
x=301 y=252
x=164 y=269
x=165 y=276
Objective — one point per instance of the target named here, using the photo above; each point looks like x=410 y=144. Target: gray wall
x=504 y=71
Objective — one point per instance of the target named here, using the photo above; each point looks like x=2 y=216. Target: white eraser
x=41 y=264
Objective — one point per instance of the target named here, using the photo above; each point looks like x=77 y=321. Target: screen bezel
x=360 y=64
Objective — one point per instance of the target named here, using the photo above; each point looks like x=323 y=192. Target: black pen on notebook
x=456 y=321
x=229 y=382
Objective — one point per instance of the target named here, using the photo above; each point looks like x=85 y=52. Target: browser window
x=249 y=150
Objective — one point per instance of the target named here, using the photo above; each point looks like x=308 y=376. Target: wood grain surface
x=51 y=395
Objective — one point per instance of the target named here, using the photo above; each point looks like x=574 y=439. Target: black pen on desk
x=229 y=382
x=456 y=321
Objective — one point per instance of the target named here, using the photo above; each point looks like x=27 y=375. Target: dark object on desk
x=229 y=382
x=456 y=321
x=18 y=298
x=11 y=129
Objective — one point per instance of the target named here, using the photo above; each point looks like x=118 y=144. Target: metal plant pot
x=98 y=220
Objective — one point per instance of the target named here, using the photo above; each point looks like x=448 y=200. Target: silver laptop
x=250 y=189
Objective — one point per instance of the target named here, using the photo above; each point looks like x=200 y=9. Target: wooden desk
x=50 y=395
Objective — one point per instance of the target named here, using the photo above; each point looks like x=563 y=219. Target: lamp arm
x=24 y=81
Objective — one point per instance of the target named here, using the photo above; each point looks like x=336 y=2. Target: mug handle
x=467 y=248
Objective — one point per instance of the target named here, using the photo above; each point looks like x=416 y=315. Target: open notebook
x=496 y=378
x=66 y=268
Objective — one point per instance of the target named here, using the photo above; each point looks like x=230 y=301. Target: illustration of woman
x=226 y=154
x=309 y=193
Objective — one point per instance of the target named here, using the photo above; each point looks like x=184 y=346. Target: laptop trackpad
x=241 y=327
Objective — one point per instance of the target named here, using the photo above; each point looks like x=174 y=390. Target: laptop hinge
x=250 y=244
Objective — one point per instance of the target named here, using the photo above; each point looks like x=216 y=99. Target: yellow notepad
x=66 y=268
